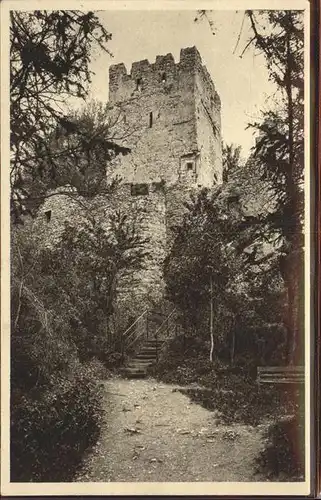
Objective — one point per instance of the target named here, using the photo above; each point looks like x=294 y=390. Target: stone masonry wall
x=169 y=116
x=136 y=289
x=158 y=117
x=208 y=120
x=144 y=288
x=58 y=208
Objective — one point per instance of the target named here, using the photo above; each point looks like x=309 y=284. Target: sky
x=242 y=83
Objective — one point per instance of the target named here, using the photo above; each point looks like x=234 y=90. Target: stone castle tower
x=168 y=114
x=170 y=118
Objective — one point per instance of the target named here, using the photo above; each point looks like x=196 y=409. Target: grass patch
x=232 y=391
x=238 y=400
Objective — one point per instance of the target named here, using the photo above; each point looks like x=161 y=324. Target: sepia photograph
x=156 y=196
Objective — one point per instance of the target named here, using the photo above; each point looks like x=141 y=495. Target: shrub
x=232 y=391
x=56 y=408
x=237 y=400
x=96 y=370
x=114 y=360
x=283 y=455
x=184 y=358
x=50 y=431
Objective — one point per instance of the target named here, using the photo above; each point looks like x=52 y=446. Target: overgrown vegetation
x=225 y=280
x=50 y=54
x=234 y=272
x=283 y=455
x=279 y=149
x=62 y=294
x=232 y=392
x=236 y=266
x=54 y=398
x=62 y=302
x=53 y=424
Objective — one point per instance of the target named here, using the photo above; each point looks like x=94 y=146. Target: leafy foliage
x=77 y=155
x=218 y=245
x=40 y=339
x=88 y=263
x=50 y=431
x=50 y=53
x=62 y=300
x=283 y=454
x=76 y=280
x=278 y=155
x=279 y=151
x=62 y=295
x=54 y=398
x=231 y=156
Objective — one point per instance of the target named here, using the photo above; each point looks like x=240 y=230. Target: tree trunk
x=291 y=271
x=211 y=320
x=292 y=267
x=294 y=309
x=233 y=347
x=295 y=323
x=291 y=228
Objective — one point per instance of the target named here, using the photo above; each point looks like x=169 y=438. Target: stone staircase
x=145 y=357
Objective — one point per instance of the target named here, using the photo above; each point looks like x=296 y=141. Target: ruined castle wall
x=143 y=288
x=168 y=114
x=208 y=169
x=136 y=289
x=57 y=209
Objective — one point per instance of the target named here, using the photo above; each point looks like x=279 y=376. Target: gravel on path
x=152 y=432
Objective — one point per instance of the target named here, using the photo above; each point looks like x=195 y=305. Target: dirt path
x=154 y=433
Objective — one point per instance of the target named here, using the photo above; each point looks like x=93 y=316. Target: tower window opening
x=48 y=215
x=233 y=198
x=139 y=84
x=150 y=119
x=163 y=77
x=190 y=165
x=139 y=189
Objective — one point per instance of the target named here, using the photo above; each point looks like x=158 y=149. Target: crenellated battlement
x=163 y=75
x=188 y=56
x=171 y=118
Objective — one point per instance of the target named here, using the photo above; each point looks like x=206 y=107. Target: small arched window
x=139 y=84
x=163 y=77
x=48 y=215
x=139 y=189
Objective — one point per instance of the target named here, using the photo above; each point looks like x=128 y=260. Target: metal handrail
x=136 y=338
x=157 y=313
x=165 y=320
x=158 y=329
x=134 y=323
x=138 y=333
